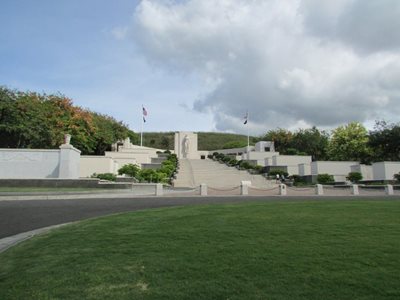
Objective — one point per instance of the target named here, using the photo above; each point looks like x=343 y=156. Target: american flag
x=144 y=113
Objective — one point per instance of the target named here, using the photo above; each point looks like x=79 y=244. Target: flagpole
x=141 y=131
x=248 y=137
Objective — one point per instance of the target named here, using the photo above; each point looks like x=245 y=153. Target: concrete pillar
x=282 y=190
x=389 y=189
x=203 y=189
x=354 y=189
x=319 y=189
x=68 y=167
x=244 y=187
x=159 y=189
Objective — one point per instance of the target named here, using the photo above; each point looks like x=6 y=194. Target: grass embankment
x=274 y=250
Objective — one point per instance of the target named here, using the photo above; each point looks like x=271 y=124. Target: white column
x=389 y=189
x=69 y=162
x=282 y=190
x=354 y=189
x=244 y=187
x=203 y=189
x=159 y=189
x=319 y=189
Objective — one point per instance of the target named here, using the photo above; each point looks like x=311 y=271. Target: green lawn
x=270 y=250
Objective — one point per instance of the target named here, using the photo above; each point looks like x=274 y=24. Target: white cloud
x=289 y=62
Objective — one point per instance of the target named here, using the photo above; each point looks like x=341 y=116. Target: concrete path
x=193 y=172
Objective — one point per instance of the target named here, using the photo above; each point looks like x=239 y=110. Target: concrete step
x=192 y=173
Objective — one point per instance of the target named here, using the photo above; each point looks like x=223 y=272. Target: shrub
x=354 y=176
x=298 y=180
x=105 y=176
x=325 y=178
x=129 y=169
x=259 y=169
x=245 y=165
x=397 y=176
x=167 y=152
x=279 y=172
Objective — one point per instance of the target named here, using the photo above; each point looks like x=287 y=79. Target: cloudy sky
x=201 y=64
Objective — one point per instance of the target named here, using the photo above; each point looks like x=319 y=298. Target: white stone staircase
x=193 y=172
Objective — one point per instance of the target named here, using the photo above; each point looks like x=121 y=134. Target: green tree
x=349 y=142
x=385 y=141
x=282 y=139
x=311 y=142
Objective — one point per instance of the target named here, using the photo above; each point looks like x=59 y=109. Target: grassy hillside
x=206 y=140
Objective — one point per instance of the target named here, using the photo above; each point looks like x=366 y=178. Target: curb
x=10 y=241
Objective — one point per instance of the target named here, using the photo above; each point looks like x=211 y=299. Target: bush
x=354 y=176
x=245 y=165
x=325 y=178
x=129 y=169
x=298 y=180
x=279 y=172
x=105 y=176
x=397 y=176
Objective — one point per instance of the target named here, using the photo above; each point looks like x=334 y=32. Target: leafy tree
x=350 y=142
x=282 y=139
x=311 y=142
x=32 y=120
x=385 y=141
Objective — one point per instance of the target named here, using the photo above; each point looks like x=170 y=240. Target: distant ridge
x=206 y=140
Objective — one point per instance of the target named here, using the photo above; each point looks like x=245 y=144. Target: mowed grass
x=263 y=250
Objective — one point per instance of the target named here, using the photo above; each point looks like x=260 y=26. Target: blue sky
x=69 y=47
x=200 y=64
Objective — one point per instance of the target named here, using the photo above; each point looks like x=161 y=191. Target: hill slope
x=206 y=140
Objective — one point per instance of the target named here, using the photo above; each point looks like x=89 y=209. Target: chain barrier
x=300 y=189
x=263 y=190
x=224 y=190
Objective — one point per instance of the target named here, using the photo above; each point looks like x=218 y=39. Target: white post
x=203 y=189
x=389 y=189
x=244 y=187
x=282 y=190
x=319 y=189
x=354 y=189
x=159 y=189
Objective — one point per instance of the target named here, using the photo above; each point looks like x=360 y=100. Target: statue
x=186 y=145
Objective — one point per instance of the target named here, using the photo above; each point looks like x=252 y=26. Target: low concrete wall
x=68 y=183
x=40 y=163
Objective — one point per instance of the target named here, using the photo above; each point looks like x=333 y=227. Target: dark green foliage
x=163 y=175
x=385 y=141
x=235 y=144
x=298 y=180
x=32 y=120
x=397 y=177
x=105 y=176
x=129 y=169
x=354 y=176
x=311 y=142
x=325 y=179
x=279 y=172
